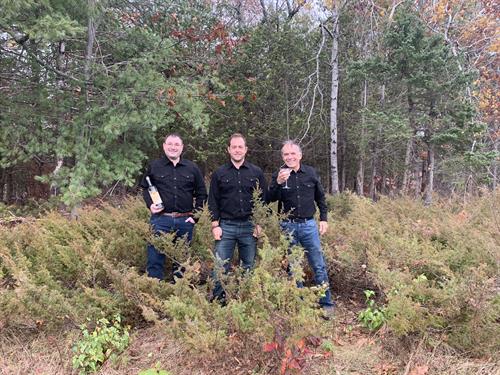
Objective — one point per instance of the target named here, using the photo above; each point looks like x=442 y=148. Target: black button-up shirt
x=231 y=190
x=305 y=189
x=179 y=186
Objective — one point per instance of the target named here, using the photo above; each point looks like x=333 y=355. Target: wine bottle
x=154 y=194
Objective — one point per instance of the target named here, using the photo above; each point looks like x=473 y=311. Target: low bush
x=372 y=317
x=53 y=269
x=57 y=272
x=433 y=269
x=106 y=341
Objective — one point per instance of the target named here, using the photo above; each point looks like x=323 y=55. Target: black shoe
x=328 y=312
x=221 y=299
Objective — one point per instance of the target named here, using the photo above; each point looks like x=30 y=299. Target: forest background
x=384 y=96
x=392 y=101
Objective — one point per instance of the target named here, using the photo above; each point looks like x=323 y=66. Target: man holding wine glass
x=297 y=189
x=173 y=188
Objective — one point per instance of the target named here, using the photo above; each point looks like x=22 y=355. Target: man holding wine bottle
x=230 y=203
x=297 y=189
x=173 y=189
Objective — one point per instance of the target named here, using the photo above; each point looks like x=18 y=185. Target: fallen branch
x=14 y=220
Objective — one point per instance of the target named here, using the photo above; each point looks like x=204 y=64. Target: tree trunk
x=61 y=67
x=3 y=186
x=343 y=148
x=409 y=144
x=8 y=185
x=334 y=175
x=430 y=176
x=360 y=177
x=360 y=180
x=494 y=169
x=423 y=175
x=373 y=176
x=417 y=182
x=407 y=173
x=376 y=151
x=89 y=57
x=89 y=53
x=264 y=11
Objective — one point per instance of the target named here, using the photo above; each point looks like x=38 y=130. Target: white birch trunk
x=430 y=176
x=334 y=172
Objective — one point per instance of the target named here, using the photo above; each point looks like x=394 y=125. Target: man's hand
x=257 y=231
x=323 y=227
x=217 y=233
x=190 y=220
x=154 y=209
x=216 y=230
x=283 y=175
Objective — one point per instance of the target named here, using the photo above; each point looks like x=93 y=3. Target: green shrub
x=258 y=303
x=433 y=264
x=340 y=205
x=58 y=268
x=372 y=317
x=105 y=342
x=31 y=208
x=435 y=267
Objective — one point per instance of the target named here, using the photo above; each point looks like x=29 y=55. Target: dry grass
x=20 y=354
x=356 y=351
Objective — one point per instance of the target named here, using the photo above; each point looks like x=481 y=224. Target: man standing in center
x=230 y=204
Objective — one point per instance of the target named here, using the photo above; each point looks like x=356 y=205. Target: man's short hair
x=175 y=135
x=290 y=142
x=237 y=135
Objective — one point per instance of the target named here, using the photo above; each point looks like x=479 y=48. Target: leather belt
x=298 y=219
x=237 y=219
x=177 y=214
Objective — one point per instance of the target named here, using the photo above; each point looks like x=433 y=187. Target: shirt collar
x=230 y=165
x=167 y=161
x=300 y=169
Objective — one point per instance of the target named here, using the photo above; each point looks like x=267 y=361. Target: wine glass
x=288 y=170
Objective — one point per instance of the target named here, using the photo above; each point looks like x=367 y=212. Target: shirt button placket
x=175 y=189
x=298 y=194
x=239 y=191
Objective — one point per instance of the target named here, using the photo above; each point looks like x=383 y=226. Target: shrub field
x=416 y=287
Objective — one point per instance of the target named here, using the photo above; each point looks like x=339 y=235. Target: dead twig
x=407 y=368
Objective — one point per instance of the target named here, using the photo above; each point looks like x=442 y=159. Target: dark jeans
x=306 y=234
x=234 y=232
x=166 y=224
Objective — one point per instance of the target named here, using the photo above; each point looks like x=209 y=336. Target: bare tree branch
x=293 y=11
x=42 y=63
x=264 y=11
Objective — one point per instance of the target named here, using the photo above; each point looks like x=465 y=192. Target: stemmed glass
x=285 y=168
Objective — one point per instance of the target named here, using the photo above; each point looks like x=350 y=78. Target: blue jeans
x=306 y=234
x=234 y=232
x=166 y=224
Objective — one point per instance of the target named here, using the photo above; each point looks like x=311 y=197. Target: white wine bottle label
x=155 y=196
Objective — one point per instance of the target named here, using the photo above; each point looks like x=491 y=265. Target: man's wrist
x=215 y=224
